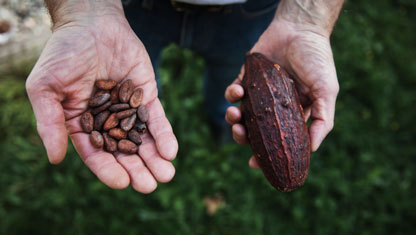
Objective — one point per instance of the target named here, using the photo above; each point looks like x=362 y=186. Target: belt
x=182 y=6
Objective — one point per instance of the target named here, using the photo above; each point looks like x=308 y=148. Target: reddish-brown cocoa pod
x=96 y=139
x=118 y=107
x=135 y=136
x=136 y=98
x=114 y=94
x=87 y=122
x=98 y=100
x=105 y=84
x=117 y=133
x=125 y=113
x=101 y=108
x=275 y=124
x=143 y=113
x=100 y=119
x=128 y=122
x=111 y=122
x=126 y=90
x=110 y=143
x=126 y=146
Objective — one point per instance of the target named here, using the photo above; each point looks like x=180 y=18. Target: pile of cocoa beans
x=116 y=116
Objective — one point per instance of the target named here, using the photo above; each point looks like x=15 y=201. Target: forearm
x=320 y=15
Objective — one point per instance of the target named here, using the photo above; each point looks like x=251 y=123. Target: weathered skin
x=274 y=119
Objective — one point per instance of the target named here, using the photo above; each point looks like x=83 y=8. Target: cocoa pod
x=96 y=139
x=105 y=84
x=110 y=143
x=87 y=122
x=111 y=122
x=126 y=90
x=100 y=119
x=114 y=94
x=126 y=146
x=125 y=113
x=128 y=123
x=101 y=108
x=136 y=98
x=118 y=107
x=141 y=126
x=135 y=136
x=143 y=113
x=275 y=124
x=98 y=100
x=117 y=133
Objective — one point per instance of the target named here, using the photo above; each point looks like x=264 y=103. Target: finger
x=161 y=130
x=233 y=115
x=102 y=164
x=140 y=177
x=161 y=168
x=239 y=134
x=50 y=121
x=234 y=93
x=322 y=115
x=253 y=163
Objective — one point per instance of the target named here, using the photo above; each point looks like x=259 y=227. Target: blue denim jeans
x=222 y=38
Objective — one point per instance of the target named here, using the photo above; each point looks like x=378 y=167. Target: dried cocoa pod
x=87 y=122
x=118 y=107
x=143 y=113
x=126 y=90
x=141 y=127
x=136 y=98
x=117 y=133
x=275 y=124
x=105 y=84
x=135 y=136
x=125 y=113
x=126 y=146
x=110 y=143
x=128 y=123
x=111 y=122
x=114 y=94
x=101 y=108
x=96 y=139
x=100 y=119
x=98 y=100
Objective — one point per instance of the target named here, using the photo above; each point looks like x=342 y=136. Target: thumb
x=50 y=122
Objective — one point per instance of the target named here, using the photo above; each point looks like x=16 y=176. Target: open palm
x=62 y=81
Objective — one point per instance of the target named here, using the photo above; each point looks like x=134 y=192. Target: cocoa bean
x=135 y=136
x=141 y=127
x=126 y=146
x=143 y=113
x=87 y=122
x=118 y=107
x=105 y=84
x=98 y=100
x=128 y=123
x=136 y=98
x=101 y=108
x=114 y=94
x=100 y=119
x=126 y=90
x=96 y=139
x=110 y=143
x=111 y=122
x=117 y=133
x=125 y=113
x=100 y=92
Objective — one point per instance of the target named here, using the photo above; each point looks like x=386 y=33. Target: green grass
x=362 y=180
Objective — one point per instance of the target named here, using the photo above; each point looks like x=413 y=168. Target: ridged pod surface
x=274 y=119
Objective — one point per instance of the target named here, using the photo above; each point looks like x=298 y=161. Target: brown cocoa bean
x=114 y=94
x=118 y=107
x=110 y=143
x=125 y=113
x=143 y=113
x=136 y=98
x=128 y=123
x=100 y=119
x=141 y=127
x=111 y=122
x=117 y=133
x=98 y=100
x=126 y=146
x=135 y=136
x=105 y=84
x=87 y=122
x=101 y=108
x=100 y=92
x=96 y=139
x=126 y=90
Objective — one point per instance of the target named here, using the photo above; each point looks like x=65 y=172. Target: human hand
x=305 y=53
x=81 y=50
